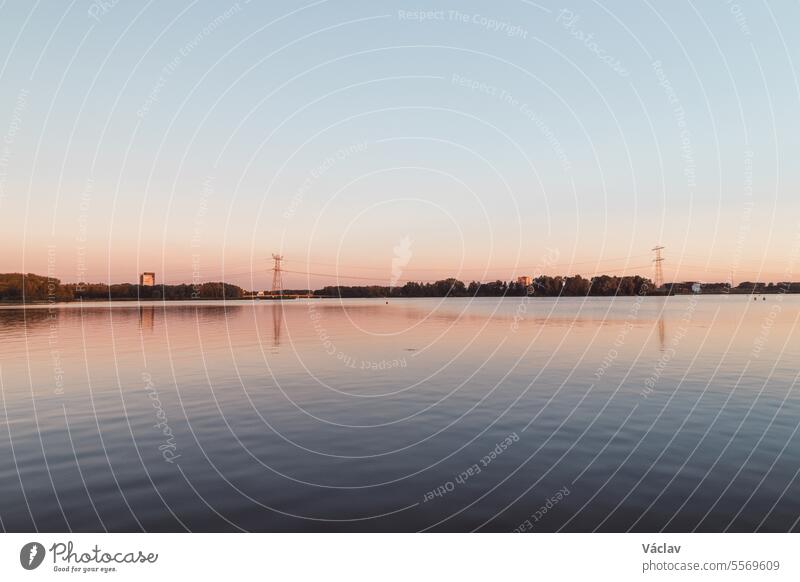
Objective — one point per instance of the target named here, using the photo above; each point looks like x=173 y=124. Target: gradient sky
x=486 y=140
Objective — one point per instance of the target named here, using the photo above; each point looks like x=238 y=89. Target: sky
x=378 y=142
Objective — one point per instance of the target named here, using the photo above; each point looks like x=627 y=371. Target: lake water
x=640 y=414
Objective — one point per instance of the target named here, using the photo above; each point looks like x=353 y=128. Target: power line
x=493 y=268
x=277 y=270
x=658 y=280
x=277 y=279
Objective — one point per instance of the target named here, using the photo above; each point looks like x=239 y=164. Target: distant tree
x=576 y=286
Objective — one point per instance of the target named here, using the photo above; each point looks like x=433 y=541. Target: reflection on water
x=325 y=415
x=147 y=315
x=277 y=323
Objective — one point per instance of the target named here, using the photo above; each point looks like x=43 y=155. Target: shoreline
x=151 y=301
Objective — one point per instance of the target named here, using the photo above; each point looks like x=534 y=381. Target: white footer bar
x=371 y=557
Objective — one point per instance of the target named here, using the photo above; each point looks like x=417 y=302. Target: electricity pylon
x=659 y=271
x=277 y=279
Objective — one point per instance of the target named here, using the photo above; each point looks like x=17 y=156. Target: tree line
x=31 y=287
x=544 y=286
x=553 y=286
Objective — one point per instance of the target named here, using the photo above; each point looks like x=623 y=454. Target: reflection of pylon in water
x=277 y=323
x=661 y=332
x=659 y=271
x=277 y=280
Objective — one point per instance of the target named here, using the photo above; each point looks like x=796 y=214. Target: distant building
x=147 y=279
x=696 y=287
x=525 y=281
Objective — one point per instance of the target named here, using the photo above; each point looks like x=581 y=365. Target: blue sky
x=195 y=139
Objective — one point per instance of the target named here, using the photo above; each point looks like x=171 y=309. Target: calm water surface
x=640 y=414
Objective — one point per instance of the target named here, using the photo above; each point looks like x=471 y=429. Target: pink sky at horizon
x=83 y=266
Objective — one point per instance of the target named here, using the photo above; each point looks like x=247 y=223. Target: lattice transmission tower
x=659 y=270
x=277 y=278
